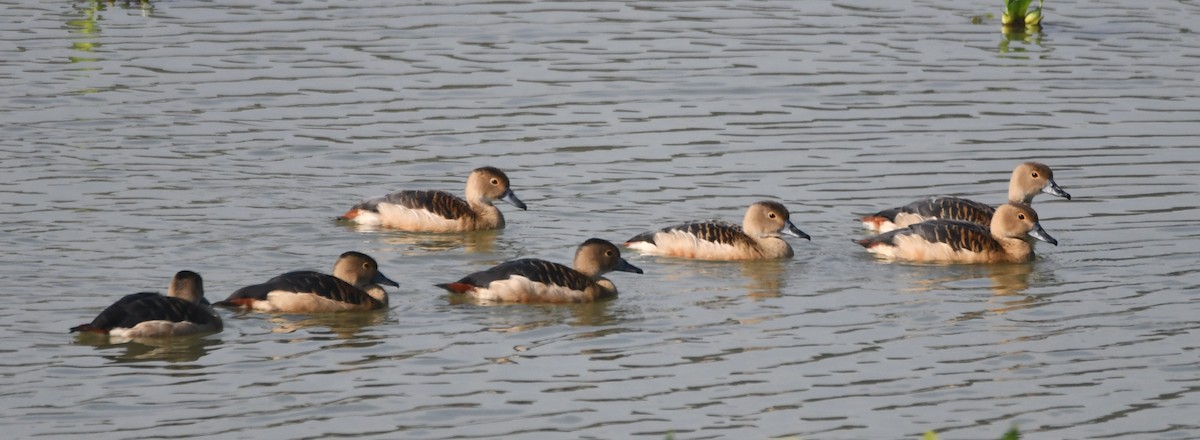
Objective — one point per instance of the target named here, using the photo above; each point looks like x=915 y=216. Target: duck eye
x=771 y=215
x=495 y=181
x=608 y=253
x=1021 y=216
x=1035 y=174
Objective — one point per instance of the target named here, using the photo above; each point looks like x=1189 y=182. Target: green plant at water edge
x=1018 y=14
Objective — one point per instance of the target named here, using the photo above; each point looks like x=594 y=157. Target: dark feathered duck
x=532 y=280
x=149 y=315
x=354 y=285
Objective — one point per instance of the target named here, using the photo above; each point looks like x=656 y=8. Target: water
x=144 y=138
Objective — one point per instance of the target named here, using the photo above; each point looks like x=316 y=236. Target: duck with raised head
x=759 y=237
x=956 y=241
x=182 y=312
x=438 y=211
x=1028 y=180
x=532 y=280
x=354 y=285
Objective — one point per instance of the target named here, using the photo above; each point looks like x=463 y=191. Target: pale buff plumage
x=436 y=211
x=949 y=241
x=759 y=237
x=1027 y=181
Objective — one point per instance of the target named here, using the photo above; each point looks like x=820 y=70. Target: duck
x=533 y=280
x=956 y=241
x=354 y=285
x=439 y=211
x=1028 y=180
x=182 y=312
x=758 y=237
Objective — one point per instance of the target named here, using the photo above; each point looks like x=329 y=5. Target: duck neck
x=1016 y=249
x=486 y=213
x=587 y=267
x=608 y=289
x=376 y=291
x=185 y=291
x=1016 y=196
x=348 y=275
x=774 y=246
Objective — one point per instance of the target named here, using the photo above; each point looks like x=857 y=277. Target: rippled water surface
x=142 y=138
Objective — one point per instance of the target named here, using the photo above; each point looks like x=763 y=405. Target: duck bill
x=791 y=229
x=1041 y=234
x=624 y=266
x=380 y=278
x=511 y=197
x=1054 y=190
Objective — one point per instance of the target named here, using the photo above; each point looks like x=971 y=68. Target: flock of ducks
x=936 y=229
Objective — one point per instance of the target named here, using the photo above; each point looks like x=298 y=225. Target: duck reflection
x=341 y=325
x=1007 y=283
x=759 y=279
x=764 y=278
x=176 y=349
x=470 y=241
x=520 y=317
x=1006 y=279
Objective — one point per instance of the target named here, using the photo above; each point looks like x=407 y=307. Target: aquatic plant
x=1018 y=14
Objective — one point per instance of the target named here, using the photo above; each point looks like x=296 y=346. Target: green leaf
x=929 y=435
x=1012 y=434
x=1017 y=8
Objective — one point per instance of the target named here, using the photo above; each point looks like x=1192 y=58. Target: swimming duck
x=757 y=238
x=955 y=241
x=1028 y=180
x=532 y=280
x=150 y=315
x=354 y=285
x=438 y=211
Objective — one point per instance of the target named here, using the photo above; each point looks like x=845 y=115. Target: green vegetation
x=1017 y=14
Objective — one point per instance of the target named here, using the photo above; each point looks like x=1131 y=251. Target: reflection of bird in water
x=472 y=242
x=765 y=278
x=1007 y=282
x=182 y=349
x=343 y=325
x=1009 y=279
x=517 y=317
x=1006 y=278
